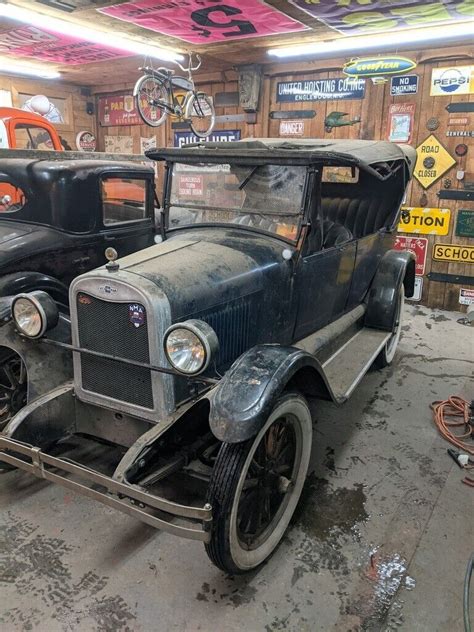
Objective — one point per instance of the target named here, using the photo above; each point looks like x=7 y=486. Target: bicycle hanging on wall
x=156 y=97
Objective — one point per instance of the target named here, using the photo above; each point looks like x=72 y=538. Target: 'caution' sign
x=432 y=161
x=453 y=252
x=424 y=221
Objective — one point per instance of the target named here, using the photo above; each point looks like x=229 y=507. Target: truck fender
x=396 y=267
x=18 y=282
x=243 y=399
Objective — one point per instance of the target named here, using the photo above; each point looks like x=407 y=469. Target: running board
x=347 y=366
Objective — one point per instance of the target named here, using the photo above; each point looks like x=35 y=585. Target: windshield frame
x=302 y=214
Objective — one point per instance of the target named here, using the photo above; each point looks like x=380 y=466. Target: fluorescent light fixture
x=379 y=41
x=30 y=70
x=71 y=29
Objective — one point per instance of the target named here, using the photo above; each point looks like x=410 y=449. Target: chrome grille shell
x=126 y=288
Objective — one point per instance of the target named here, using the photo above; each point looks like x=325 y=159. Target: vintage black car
x=58 y=216
x=194 y=359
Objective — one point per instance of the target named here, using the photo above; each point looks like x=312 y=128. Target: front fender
x=46 y=366
x=244 y=398
x=18 y=282
x=395 y=268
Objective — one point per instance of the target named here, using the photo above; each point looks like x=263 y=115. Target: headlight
x=189 y=346
x=34 y=313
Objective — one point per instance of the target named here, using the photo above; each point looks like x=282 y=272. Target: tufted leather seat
x=335 y=234
x=359 y=216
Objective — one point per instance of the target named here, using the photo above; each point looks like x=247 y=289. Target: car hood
x=199 y=271
x=13 y=230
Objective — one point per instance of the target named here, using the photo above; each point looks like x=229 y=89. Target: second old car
x=191 y=363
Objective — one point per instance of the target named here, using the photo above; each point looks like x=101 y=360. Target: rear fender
x=395 y=268
x=243 y=399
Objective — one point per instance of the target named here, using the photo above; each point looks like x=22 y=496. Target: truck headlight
x=189 y=346
x=34 y=313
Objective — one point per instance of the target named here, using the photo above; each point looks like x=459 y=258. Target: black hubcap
x=268 y=480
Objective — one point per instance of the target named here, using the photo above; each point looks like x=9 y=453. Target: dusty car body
x=275 y=283
x=63 y=214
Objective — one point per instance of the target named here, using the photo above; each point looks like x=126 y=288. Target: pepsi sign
x=453 y=80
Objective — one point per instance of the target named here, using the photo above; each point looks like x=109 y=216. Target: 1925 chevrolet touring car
x=194 y=359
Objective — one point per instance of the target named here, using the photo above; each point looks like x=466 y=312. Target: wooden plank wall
x=77 y=101
x=373 y=111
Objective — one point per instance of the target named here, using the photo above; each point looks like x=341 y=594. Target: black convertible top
x=362 y=153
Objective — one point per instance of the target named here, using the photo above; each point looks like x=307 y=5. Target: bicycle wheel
x=200 y=114
x=150 y=97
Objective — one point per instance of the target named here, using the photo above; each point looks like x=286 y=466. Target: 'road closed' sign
x=453 y=252
x=424 y=221
x=432 y=161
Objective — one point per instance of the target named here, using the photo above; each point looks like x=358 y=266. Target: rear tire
x=148 y=91
x=386 y=356
x=255 y=487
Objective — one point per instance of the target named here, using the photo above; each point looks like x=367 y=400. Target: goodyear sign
x=452 y=81
x=425 y=221
x=378 y=66
x=432 y=161
x=453 y=252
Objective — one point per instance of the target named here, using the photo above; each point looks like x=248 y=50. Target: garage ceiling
x=217 y=55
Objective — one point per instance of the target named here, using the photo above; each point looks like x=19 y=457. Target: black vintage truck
x=193 y=361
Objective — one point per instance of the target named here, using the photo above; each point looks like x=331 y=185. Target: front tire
x=201 y=114
x=255 y=487
x=150 y=97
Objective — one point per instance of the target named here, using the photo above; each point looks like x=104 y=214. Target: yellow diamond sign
x=432 y=161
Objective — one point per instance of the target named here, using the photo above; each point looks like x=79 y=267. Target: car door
x=323 y=278
x=127 y=213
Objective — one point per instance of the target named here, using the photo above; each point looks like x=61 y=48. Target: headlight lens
x=189 y=346
x=34 y=313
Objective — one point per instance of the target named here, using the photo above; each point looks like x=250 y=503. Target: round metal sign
x=86 y=141
x=432 y=123
x=460 y=150
x=429 y=162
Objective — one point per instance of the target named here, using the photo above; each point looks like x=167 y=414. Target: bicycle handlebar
x=190 y=68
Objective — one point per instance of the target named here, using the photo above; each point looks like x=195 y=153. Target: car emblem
x=136 y=314
x=107 y=289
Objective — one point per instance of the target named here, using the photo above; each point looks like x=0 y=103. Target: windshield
x=267 y=197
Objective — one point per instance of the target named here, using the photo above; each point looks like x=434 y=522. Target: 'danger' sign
x=202 y=21
x=332 y=88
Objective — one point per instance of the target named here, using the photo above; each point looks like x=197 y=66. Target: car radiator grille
x=106 y=327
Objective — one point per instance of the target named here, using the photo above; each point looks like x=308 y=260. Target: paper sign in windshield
x=203 y=21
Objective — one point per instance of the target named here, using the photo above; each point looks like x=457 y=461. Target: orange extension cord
x=457 y=409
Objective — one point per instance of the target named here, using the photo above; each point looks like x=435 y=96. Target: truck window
x=29 y=136
x=123 y=200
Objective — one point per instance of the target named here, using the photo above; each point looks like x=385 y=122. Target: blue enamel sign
x=403 y=84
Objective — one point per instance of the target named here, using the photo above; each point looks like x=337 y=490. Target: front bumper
x=129 y=499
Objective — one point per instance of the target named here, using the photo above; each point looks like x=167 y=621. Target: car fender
x=18 y=282
x=396 y=267
x=243 y=399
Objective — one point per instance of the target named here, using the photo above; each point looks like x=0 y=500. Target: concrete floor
x=380 y=542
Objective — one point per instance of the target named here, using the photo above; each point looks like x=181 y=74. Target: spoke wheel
x=200 y=114
x=255 y=487
x=150 y=95
x=387 y=354
x=13 y=386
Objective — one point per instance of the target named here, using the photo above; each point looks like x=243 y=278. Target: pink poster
x=201 y=21
x=30 y=41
